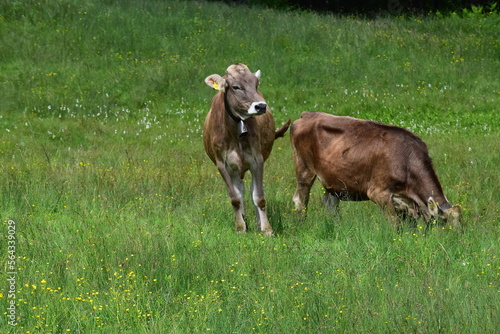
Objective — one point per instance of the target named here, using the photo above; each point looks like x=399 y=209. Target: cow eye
x=236 y=88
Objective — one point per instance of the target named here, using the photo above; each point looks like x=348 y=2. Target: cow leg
x=331 y=202
x=235 y=187
x=305 y=180
x=384 y=199
x=259 y=199
x=405 y=209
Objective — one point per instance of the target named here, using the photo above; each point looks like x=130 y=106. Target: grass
x=123 y=224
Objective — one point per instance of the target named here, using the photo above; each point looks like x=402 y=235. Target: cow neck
x=241 y=125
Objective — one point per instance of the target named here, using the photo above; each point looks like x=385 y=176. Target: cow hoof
x=268 y=233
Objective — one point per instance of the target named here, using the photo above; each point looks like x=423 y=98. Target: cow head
x=241 y=95
x=444 y=212
x=449 y=214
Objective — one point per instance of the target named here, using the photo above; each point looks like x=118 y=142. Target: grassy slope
x=123 y=223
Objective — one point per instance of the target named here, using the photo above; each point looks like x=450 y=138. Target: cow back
x=352 y=156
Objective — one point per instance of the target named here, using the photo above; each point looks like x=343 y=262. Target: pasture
x=114 y=220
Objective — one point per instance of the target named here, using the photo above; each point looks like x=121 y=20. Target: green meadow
x=114 y=220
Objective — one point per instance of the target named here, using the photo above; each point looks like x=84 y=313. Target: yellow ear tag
x=216 y=86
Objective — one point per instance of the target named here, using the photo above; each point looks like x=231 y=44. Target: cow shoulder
x=215 y=134
x=215 y=116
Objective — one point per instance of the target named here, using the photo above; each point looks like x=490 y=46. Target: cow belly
x=346 y=195
x=345 y=190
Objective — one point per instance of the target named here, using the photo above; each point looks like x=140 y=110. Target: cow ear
x=216 y=82
x=257 y=74
x=433 y=207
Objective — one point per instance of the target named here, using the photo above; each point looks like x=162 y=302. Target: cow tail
x=281 y=131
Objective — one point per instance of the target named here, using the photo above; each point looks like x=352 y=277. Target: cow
x=238 y=135
x=358 y=160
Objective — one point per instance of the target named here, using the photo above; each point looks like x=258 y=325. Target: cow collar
x=242 y=127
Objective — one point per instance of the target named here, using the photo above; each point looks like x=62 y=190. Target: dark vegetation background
x=375 y=7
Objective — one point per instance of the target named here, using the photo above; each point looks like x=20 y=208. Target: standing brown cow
x=238 y=135
x=364 y=160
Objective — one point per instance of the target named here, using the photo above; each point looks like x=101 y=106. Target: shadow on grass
x=286 y=221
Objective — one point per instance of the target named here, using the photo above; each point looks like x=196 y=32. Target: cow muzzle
x=257 y=108
x=453 y=216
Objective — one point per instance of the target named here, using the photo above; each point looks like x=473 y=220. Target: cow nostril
x=261 y=107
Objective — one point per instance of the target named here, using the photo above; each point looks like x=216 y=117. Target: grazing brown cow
x=364 y=160
x=238 y=135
